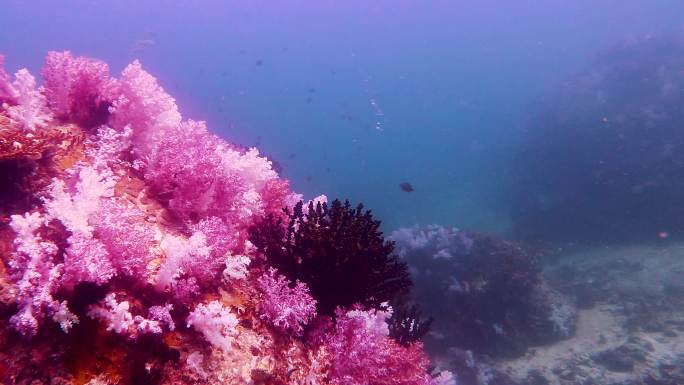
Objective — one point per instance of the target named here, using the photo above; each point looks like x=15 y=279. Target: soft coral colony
x=127 y=256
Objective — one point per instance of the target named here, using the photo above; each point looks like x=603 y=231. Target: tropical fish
x=406 y=187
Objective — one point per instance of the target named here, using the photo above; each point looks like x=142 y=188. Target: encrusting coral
x=126 y=256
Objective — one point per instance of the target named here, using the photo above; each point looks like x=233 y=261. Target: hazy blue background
x=452 y=81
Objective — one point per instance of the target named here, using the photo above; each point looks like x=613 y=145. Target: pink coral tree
x=287 y=308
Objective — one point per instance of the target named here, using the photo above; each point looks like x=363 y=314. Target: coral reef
x=126 y=256
x=486 y=294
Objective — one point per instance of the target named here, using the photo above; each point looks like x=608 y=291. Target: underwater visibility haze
x=349 y=193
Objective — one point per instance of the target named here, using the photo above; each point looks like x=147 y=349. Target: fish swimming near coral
x=406 y=187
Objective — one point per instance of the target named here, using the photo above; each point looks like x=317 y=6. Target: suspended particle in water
x=379 y=115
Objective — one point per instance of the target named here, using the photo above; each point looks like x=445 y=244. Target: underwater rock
x=601 y=158
x=124 y=251
x=486 y=295
x=623 y=358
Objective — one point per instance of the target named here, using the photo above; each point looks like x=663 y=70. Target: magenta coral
x=361 y=352
x=287 y=308
x=144 y=105
x=86 y=260
x=78 y=88
x=203 y=176
x=163 y=315
x=36 y=277
x=127 y=236
x=7 y=92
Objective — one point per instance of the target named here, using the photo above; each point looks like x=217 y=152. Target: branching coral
x=337 y=251
x=406 y=325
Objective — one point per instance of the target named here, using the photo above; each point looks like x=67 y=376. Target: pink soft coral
x=36 y=277
x=277 y=195
x=78 y=88
x=185 y=167
x=125 y=233
x=361 y=352
x=202 y=176
x=86 y=260
x=144 y=105
x=7 y=92
x=119 y=318
x=287 y=308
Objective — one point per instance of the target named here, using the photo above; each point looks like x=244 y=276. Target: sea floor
x=630 y=327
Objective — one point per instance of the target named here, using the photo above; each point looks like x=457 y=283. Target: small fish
x=309 y=100
x=308 y=178
x=259 y=63
x=312 y=90
x=406 y=187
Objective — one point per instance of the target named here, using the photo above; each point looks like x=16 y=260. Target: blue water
x=354 y=97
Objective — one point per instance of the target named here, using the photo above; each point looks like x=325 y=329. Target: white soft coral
x=31 y=110
x=216 y=323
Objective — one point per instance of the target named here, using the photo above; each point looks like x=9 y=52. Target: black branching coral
x=406 y=325
x=337 y=250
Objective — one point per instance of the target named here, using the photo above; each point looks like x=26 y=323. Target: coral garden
x=138 y=248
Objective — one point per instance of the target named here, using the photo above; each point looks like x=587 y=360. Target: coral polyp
x=126 y=256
